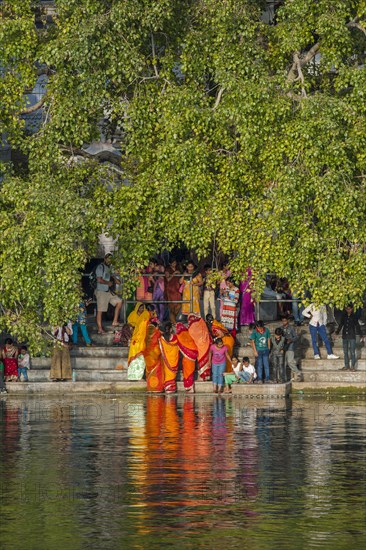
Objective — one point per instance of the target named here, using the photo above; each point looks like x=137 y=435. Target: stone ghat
x=253 y=391
x=103 y=368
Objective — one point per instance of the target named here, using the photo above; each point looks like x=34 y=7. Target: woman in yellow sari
x=139 y=319
x=191 y=283
x=170 y=357
x=219 y=331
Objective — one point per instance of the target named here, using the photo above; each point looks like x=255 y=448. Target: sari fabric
x=10 y=357
x=189 y=352
x=191 y=291
x=219 y=331
x=247 y=311
x=170 y=358
x=134 y=317
x=136 y=360
x=201 y=337
x=229 y=302
x=61 y=363
x=154 y=367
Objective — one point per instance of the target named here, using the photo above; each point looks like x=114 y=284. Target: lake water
x=182 y=472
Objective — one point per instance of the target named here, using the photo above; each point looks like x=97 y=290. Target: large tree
x=233 y=131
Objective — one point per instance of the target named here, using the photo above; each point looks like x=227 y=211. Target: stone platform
x=103 y=368
x=259 y=391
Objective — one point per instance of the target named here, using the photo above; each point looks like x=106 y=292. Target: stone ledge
x=323 y=388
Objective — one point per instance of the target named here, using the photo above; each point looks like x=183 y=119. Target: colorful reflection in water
x=187 y=471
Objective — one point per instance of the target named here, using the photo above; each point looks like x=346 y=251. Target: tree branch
x=355 y=24
x=301 y=61
x=218 y=98
x=299 y=72
x=34 y=107
x=154 y=56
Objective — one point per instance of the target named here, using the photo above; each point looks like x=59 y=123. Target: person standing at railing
x=223 y=285
x=158 y=289
x=247 y=312
x=191 y=282
x=230 y=300
x=172 y=293
x=209 y=302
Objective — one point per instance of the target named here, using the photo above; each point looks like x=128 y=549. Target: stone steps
x=309 y=353
x=99 y=351
x=82 y=375
x=336 y=377
x=328 y=365
x=87 y=363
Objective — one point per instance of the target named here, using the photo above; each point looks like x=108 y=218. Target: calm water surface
x=186 y=472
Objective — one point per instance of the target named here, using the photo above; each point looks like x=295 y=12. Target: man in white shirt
x=317 y=324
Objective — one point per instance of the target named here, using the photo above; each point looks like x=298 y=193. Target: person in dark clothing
x=350 y=329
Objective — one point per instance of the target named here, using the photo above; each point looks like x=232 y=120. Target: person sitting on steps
x=105 y=280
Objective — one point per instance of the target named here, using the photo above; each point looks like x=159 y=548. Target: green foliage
x=249 y=134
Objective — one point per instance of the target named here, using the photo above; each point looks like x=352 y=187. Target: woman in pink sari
x=247 y=312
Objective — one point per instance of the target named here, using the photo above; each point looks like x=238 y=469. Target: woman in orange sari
x=152 y=354
x=170 y=357
x=198 y=330
x=219 y=331
x=189 y=352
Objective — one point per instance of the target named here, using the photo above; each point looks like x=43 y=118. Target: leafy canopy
x=234 y=131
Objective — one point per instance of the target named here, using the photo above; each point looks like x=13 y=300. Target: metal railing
x=133 y=301
x=162 y=302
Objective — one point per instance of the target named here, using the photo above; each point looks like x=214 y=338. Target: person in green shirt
x=260 y=340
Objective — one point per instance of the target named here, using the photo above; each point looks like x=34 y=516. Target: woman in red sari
x=198 y=330
x=219 y=331
x=189 y=352
x=170 y=357
x=152 y=354
x=10 y=358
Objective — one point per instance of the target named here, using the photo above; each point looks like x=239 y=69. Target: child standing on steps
x=278 y=343
x=81 y=323
x=23 y=363
x=217 y=359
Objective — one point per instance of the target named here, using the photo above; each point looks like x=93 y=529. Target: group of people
x=183 y=291
x=14 y=363
x=157 y=349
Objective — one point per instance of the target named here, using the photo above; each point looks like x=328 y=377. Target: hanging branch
x=154 y=56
